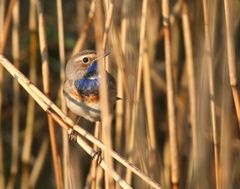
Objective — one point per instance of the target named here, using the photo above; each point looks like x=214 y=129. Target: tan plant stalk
x=3 y=38
x=94 y=168
x=16 y=99
x=120 y=77
x=170 y=96
x=141 y=48
x=232 y=59
x=191 y=74
x=62 y=58
x=61 y=45
x=98 y=26
x=106 y=115
x=38 y=165
x=209 y=54
x=86 y=26
x=28 y=134
x=46 y=89
x=5 y=30
x=139 y=83
x=2 y=176
x=149 y=102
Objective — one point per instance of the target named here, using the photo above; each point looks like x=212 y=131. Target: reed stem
x=231 y=59
x=46 y=89
x=209 y=54
x=170 y=96
x=2 y=171
x=191 y=75
x=16 y=99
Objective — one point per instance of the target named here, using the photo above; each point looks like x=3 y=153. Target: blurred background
x=176 y=65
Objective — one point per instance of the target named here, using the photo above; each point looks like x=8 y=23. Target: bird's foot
x=98 y=156
x=72 y=134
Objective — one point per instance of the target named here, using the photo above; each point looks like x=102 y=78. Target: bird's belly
x=88 y=110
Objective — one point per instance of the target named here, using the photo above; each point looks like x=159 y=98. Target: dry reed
x=191 y=74
x=231 y=59
x=28 y=137
x=46 y=89
x=39 y=163
x=170 y=97
x=106 y=115
x=2 y=176
x=16 y=99
x=209 y=59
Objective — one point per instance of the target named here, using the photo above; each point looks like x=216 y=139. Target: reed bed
x=177 y=118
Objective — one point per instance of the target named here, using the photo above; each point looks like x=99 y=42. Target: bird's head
x=83 y=64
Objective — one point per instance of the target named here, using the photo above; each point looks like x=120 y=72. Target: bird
x=82 y=83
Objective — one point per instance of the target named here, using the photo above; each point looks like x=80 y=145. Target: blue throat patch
x=89 y=84
x=93 y=68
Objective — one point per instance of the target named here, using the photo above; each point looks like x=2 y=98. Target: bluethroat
x=81 y=87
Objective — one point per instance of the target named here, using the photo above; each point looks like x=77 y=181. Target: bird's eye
x=85 y=60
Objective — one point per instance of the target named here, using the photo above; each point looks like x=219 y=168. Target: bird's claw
x=72 y=134
x=98 y=156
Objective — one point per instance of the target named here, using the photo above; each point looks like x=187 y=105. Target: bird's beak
x=100 y=56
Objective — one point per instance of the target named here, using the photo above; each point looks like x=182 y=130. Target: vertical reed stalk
x=38 y=165
x=94 y=168
x=28 y=135
x=191 y=74
x=119 y=112
x=105 y=111
x=149 y=102
x=86 y=26
x=231 y=59
x=2 y=176
x=4 y=34
x=46 y=89
x=5 y=31
x=209 y=54
x=170 y=96
x=98 y=26
x=16 y=99
x=139 y=82
x=119 y=103
x=61 y=48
